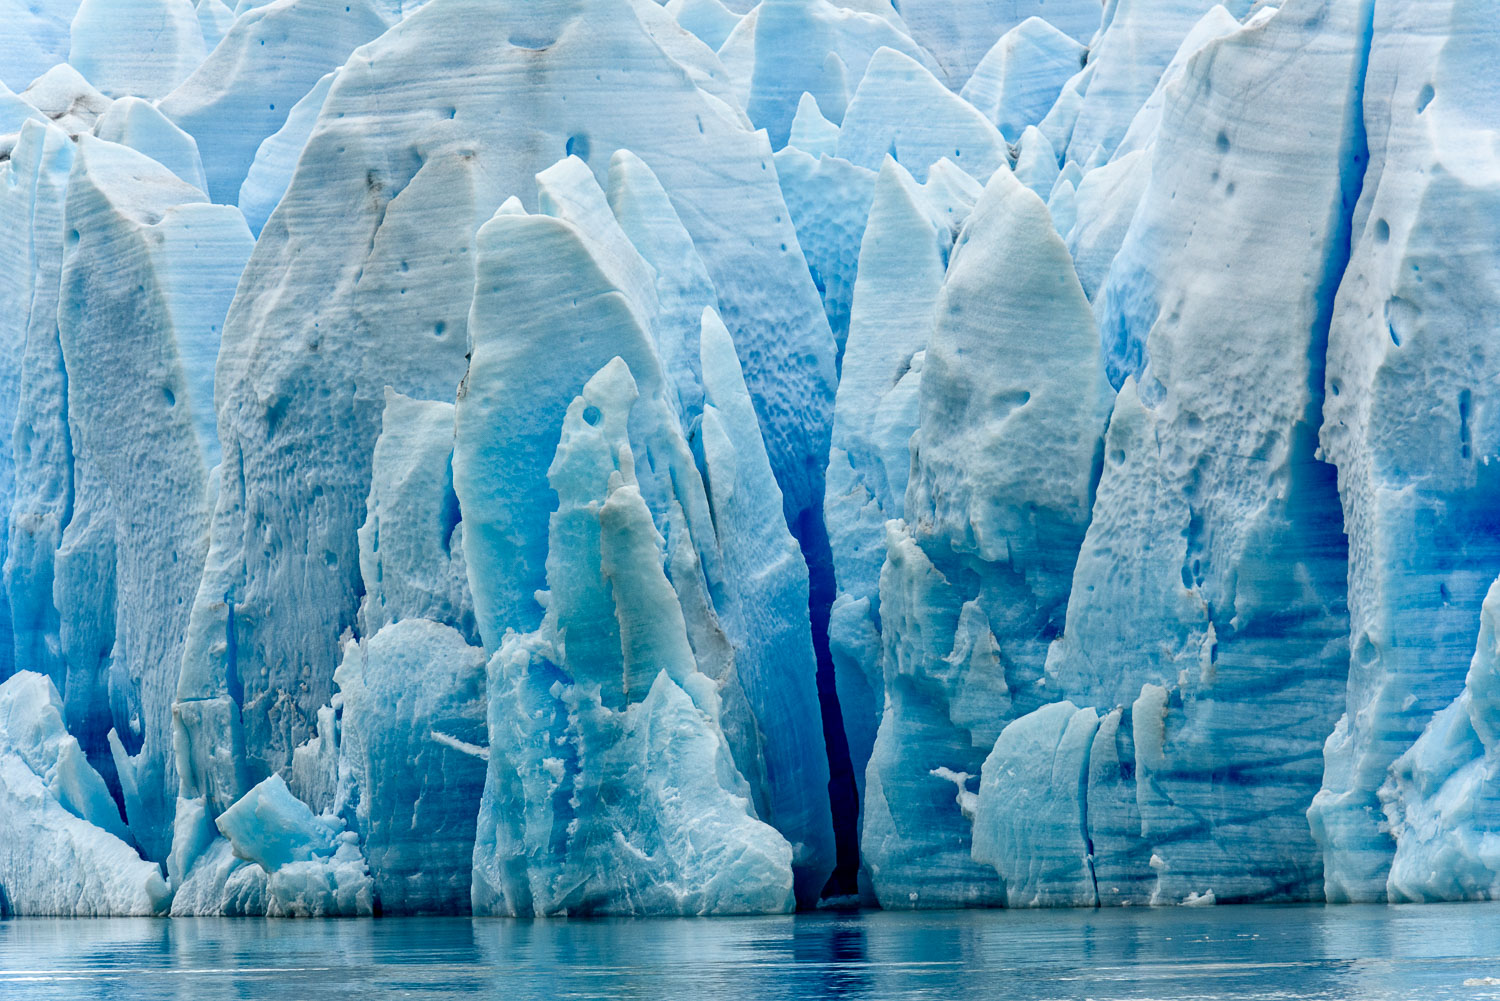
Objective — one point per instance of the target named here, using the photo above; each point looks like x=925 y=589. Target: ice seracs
x=136 y=47
x=140 y=335
x=63 y=851
x=612 y=457
x=1018 y=80
x=1012 y=405
x=1415 y=465
x=613 y=745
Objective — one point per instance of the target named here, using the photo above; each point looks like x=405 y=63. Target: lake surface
x=1419 y=953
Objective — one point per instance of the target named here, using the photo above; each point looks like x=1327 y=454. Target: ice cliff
x=564 y=457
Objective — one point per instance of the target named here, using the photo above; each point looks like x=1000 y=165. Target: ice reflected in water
x=1367 y=953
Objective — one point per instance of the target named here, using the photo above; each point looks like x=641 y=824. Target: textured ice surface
x=611 y=747
x=710 y=20
x=1126 y=59
x=60 y=832
x=829 y=199
x=960 y=32
x=64 y=96
x=1440 y=797
x=739 y=581
x=601 y=456
x=902 y=110
x=411 y=555
x=295 y=864
x=34 y=37
x=1035 y=836
x=363 y=278
x=138 y=47
x=413 y=736
x=145 y=284
x=1415 y=465
x=38 y=172
x=1012 y=405
x=1220 y=628
x=792 y=47
x=246 y=88
x=1018 y=80
x=276 y=158
x=136 y=123
x=904 y=255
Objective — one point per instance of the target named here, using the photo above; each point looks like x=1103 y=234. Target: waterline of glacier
x=1252 y=953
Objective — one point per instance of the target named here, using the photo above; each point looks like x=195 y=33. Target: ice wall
x=1414 y=464
x=610 y=457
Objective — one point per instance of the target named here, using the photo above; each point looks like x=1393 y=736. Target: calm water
x=1421 y=953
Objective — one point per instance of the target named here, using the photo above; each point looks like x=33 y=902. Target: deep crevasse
x=594 y=456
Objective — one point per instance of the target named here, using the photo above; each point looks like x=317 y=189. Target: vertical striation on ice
x=1412 y=425
x=1214 y=615
x=903 y=257
x=413 y=735
x=61 y=847
x=975 y=584
x=610 y=749
x=148 y=270
x=576 y=456
x=361 y=278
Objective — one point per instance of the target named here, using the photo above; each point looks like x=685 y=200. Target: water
x=1364 y=953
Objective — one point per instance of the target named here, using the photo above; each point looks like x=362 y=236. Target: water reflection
x=1179 y=954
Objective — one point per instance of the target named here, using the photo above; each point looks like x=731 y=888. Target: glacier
x=608 y=457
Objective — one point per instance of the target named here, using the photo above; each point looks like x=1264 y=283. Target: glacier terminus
x=609 y=457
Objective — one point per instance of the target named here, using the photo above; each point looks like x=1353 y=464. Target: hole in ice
x=1382 y=230
x=591 y=416
x=1400 y=316
x=536 y=43
x=578 y=145
x=1223 y=142
x=1425 y=98
x=169 y=396
x=438 y=328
